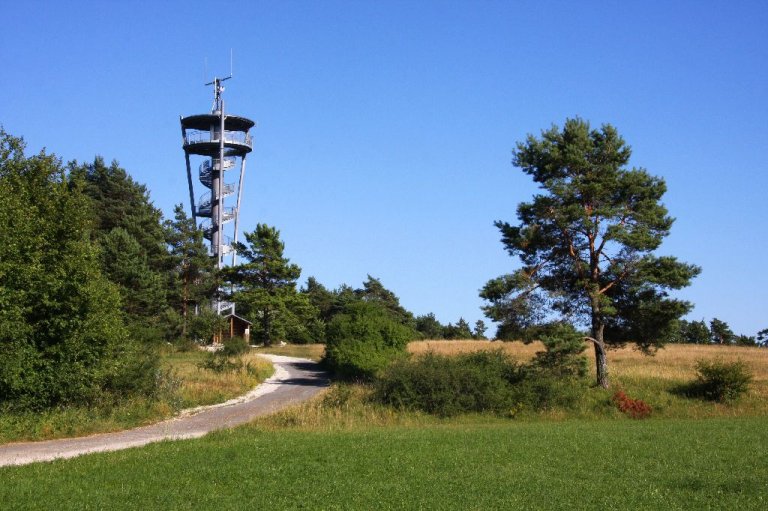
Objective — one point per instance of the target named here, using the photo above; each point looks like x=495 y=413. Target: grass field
x=187 y=386
x=341 y=451
x=652 y=464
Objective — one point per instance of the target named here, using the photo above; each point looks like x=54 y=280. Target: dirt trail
x=295 y=380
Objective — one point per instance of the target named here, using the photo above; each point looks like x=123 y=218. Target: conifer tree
x=586 y=243
x=265 y=289
x=130 y=231
x=191 y=283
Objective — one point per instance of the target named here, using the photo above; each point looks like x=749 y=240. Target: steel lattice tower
x=223 y=141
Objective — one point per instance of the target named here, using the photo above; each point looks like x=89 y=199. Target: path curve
x=294 y=380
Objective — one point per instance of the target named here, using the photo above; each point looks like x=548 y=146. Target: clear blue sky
x=385 y=128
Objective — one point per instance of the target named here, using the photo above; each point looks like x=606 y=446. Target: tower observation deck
x=220 y=142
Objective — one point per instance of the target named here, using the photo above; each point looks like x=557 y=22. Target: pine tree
x=480 y=329
x=130 y=231
x=721 y=332
x=586 y=244
x=265 y=289
x=374 y=291
x=191 y=282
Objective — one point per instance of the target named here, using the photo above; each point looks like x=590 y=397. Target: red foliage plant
x=635 y=408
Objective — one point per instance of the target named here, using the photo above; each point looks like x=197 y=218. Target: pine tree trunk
x=601 y=365
x=266 y=324
x=601 y=360
x=185 y=308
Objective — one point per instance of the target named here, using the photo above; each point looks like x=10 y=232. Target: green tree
x=721 y=332
x=458 y=331
x=265 y=289
x=480 y=328
x=429 y=327
x=119 y=201
x=745 y=340
x=586 y=244
x=62 y=339
x=130 y=231
x=762 y=337
x=363 y=339
x=373 y=291
x=320 y=297
x=142 y=291
x=192 y=281
x=695 y=332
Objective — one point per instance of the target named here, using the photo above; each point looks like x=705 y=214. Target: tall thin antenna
x=231 y=60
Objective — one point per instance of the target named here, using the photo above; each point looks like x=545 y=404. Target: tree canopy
x=62 y=338
x=264 y=289
x=191 y=281
x=130 y=231
x=586 y=244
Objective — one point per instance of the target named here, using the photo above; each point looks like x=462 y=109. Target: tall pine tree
x=130 y=231
x=192 y=280
x=586 y=243
x=265 y=289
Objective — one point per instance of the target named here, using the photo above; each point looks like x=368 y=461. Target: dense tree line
x=63 y=338
x=430 y=328
x=717 y=332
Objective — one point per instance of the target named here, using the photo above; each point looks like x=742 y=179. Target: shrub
x=484 y=381
x=722 y=381
x=234 y=347
x=362 y=340
x=229 y=357
x=447 y=386
x=563 y=354
x=635 y=408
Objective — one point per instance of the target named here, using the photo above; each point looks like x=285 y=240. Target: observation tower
x=221 y=142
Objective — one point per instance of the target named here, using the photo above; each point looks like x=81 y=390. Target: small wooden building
x=235 y=327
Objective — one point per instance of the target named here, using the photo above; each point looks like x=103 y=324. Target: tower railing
x=206 y=137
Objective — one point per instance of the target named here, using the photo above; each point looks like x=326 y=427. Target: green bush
x=234 y=347
x=722 y=381
x=563 y=355
x=485 y=381
x=362 y=340
x=229 y=357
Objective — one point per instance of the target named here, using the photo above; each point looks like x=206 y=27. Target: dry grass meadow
x=654 y=379
x=198 y=386
x=673 y=362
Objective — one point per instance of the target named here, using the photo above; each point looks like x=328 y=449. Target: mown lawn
x=655 y=464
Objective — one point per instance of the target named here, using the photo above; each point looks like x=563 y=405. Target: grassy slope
x=332 y=453
x=654 y=464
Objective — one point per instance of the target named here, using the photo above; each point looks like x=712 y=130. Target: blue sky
x=385 y=129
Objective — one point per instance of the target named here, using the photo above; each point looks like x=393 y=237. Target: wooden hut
x=235 y=327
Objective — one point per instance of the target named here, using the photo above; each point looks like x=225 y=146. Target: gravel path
x=295 y=380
